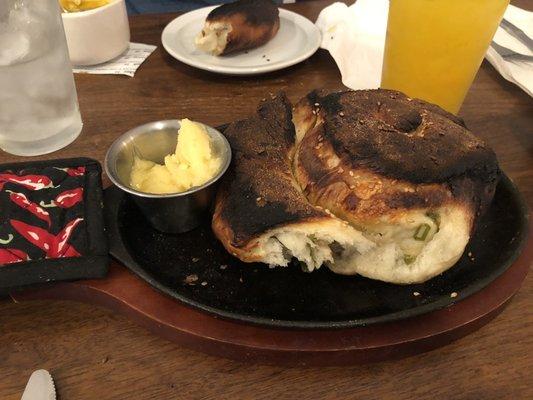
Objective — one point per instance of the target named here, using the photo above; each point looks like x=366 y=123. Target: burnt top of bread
x=256 y=12
x=391 y=134
x=258 y=192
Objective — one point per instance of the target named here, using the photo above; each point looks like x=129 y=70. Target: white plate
x=297 y=39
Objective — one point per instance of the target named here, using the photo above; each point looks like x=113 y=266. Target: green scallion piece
x=422 y=232
x=409 y=259
x=435 y=217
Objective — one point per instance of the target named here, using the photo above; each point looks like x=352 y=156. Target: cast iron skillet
x=290 y=298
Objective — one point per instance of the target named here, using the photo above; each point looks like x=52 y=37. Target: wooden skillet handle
x=124 y=292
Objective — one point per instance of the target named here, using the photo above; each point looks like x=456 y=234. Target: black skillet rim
x=114 y=198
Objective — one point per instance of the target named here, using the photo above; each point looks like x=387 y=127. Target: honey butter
x=194 y=163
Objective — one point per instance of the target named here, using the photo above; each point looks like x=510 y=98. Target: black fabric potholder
x=51 y=222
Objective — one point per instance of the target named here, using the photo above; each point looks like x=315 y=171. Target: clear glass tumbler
x=39 y=110
x=435 y=47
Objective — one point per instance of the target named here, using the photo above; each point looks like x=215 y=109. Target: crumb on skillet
x=190 y=279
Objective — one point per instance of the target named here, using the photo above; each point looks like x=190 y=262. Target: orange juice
x=435 y=47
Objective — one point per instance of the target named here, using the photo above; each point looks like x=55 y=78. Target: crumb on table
x=190 y=279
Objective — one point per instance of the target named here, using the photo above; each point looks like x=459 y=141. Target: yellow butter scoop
x=194 y=162
x=81 y=5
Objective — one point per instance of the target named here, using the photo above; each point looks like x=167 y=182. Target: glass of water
x=39 y=110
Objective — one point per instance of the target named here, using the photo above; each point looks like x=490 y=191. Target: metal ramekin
x=173 y=212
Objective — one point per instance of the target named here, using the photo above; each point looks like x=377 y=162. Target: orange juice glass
x=435 y=47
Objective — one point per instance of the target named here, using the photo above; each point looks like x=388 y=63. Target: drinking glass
x=38 y=102
x=435 y=47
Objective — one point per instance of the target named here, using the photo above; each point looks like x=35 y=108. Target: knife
x=40 y=386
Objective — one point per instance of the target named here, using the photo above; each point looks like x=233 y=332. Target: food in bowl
x=193 y=163
x=96 y=34
x=365 y=182
x=81 y=5
x=238 y=26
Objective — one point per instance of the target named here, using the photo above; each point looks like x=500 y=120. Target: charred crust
x=327 y=100
x=249 y=36
x=283 y=112
x=255 y=12
x=261 y=168
x=410 y=140
x=364 y=155
x=247 y=220
x=422 y=156
x=408 y=122
x=331 y=103
x=406 y=200
x=351 y=201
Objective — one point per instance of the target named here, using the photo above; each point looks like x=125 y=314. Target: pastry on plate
x=237 y=26
x=365 y=182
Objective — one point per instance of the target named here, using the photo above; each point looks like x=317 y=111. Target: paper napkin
x=517 y=71
x=125 y=64
x=355 y=37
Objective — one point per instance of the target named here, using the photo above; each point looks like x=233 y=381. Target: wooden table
x=95 y=354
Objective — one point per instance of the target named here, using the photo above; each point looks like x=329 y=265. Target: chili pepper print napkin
x=51 y=222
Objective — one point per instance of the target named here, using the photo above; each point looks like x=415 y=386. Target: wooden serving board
x=124 y=292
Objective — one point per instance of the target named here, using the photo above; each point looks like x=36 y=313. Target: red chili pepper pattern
x=77 y=171
x=21 y=200
x=55 y=246
x=69 y=198
x=33 y=234
x=32 y=194
x=60 y=247
x=9 y=256
x=31 y=182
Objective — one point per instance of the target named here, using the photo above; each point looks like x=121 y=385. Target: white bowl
x=98 y=35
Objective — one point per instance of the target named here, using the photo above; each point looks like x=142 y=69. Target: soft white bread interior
x=393 y=252
x=312 y=243
x=400 y=255
x=214 y=37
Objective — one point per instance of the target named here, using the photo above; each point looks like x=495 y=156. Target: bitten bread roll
x=405 y=173
x=242 y=25
x=365 y=182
